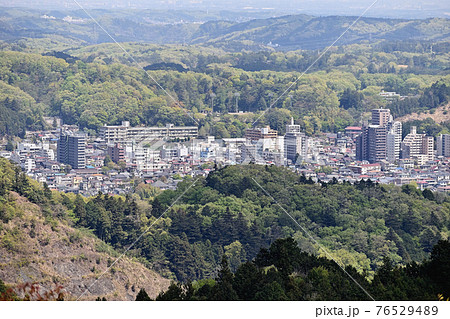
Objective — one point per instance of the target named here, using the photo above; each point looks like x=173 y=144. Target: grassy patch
x=12 y=240
x=102 y=247
x=7 y=212
x=75 y=236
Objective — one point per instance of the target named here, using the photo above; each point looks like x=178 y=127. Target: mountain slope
x=440 y=115
x=307 y=32
x=286 y=32
x=35 y=248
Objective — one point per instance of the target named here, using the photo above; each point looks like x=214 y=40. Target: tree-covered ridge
x=306 y=32
x=362 y=223
x=284 y=272
x=227 y=214
x=13 y=179
x=421 y=57
x=290 y=32
x=92 y=94
x=86 y=94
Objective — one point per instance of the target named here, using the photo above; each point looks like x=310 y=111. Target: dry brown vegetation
x=440 y=115
x=50 y=253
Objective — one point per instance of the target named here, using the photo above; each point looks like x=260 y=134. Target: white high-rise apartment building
x=295 y=142
x=393 y=142
x=418 y=146
x=412 y=144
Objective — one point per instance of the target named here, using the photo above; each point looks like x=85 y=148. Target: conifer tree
x=142 y=296
x=224 y=287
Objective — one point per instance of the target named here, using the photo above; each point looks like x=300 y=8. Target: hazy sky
x=319 y=7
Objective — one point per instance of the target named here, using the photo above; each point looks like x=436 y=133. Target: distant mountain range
x=308 y=32
x=282 y=33
x=382 y=8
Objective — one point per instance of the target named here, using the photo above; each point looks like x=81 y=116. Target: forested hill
x=284 y=272
x=39 y=248
x=226 y=214
x=307 y=32
x=285 y=33
x=96 y=85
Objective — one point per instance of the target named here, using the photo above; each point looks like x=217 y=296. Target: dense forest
x=228 y=214
x=93 y=86
x=284 y=272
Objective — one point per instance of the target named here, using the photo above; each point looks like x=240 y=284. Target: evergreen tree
x=225 y=227
x=157 y=208
x=47 y=191
x=350 y=99
x=428 y=194
x=224 y=287
x=142 y=296
x=247 y=281
x=174 y=293
x=80 y=211
x=271 y=292
x=439 y=267
x=9 y=146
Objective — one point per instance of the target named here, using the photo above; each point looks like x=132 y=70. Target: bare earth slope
x=33 y=250
x=440 y=115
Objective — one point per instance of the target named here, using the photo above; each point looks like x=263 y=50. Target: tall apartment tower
x=293 y=128
x=295 y=142
x=371 y=143
x=381 y=117
x=376 y=140
x=393 y=141
x=443 y=145
x=72 y=149
x=362 y=151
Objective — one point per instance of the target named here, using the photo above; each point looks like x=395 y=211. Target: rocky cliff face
x=34 y=249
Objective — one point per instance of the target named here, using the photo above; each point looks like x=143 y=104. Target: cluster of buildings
x=264 y=146
x=382 y=141
x=69 y=160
